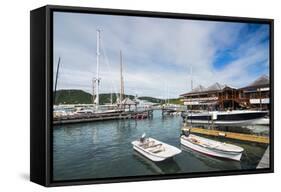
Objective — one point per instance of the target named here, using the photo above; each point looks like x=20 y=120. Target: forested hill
x=73 y=96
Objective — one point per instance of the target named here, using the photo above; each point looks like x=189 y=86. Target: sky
x=160 y=56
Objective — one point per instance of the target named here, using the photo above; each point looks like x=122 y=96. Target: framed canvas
x=123 y=95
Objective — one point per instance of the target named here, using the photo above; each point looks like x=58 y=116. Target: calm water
x=103 y=149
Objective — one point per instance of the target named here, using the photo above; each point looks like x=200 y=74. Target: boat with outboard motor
x=153 y=149
x=211 y=147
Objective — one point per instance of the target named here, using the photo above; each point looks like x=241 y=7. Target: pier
x=170 y=110
x=230 y=135
x=264 y=162
x=90 y=117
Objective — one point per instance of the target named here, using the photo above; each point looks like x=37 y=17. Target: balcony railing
x=201 y=99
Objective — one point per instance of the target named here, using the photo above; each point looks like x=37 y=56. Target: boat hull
x=261 y=121
x=231 y=123
x=149 y=156
x=226 y=118
x=168 y=152
x=233 y=156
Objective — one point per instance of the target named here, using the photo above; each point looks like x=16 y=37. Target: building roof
x=201 y=89
x=216 y=87
x=262 y=81
x=128 y=101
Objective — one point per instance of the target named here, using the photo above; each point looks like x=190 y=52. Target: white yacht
x=236 y=117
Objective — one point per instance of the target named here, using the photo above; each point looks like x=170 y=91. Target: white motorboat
x=154 y=150
x=225 y=118
x=261 y=121
x=212 y=147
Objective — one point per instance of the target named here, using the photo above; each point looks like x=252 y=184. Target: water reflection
x=211 y=161
x=163 y=167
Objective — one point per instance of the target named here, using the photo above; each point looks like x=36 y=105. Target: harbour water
x=103 y=150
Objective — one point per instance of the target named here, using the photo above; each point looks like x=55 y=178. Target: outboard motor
x=185 y=132
x=142 y=138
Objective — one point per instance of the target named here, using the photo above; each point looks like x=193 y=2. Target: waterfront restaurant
x=214 y=97
x=258 y=93
x=224 y=97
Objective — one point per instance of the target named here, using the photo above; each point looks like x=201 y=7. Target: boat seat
x=193 y=140
x=147 y=144
x=157 y=148
x=152 y=146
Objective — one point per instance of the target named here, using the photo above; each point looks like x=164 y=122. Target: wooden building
x=258 y=93
x=214 y=97
x=225 y=97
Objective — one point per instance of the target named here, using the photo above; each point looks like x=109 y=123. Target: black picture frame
x=41 y=94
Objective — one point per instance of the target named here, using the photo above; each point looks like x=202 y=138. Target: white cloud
x=155 y=51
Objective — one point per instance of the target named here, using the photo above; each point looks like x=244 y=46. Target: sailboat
x=96 y=86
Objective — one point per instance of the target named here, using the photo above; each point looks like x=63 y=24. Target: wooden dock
x=264 y=162
x=231 y=135
x=81 y=118
x=170 y=110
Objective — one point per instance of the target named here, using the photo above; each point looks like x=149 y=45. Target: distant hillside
x=73 y=96
x=176 y=101
x=152 y=99
x=162 y=101
x=81 y=97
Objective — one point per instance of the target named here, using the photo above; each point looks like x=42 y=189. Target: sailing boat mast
x=97 y=80
x=191 y=78
x=56 y=82
x=165 y=92
x=191 y=87
x=111 y=99
x=168 y=94
x=121 y=78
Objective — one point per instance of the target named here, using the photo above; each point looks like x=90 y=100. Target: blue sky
x=158 y=54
